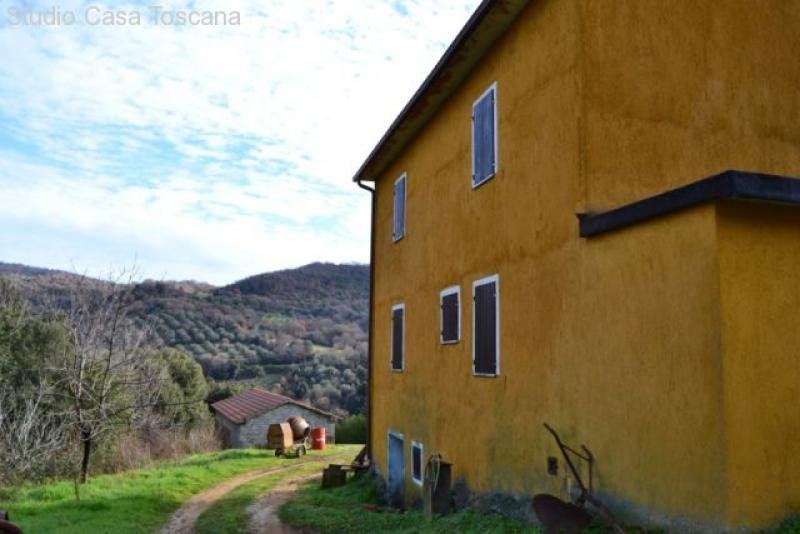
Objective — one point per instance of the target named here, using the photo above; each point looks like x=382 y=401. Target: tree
x=31 y=429
x=30 y=435
x=183 y=389
x=103 y=374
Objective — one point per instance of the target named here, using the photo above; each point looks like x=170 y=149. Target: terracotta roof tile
x=243 y=406
x=239 y=408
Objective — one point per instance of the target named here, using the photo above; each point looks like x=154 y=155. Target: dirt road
x=264 y=512
x=183 y=520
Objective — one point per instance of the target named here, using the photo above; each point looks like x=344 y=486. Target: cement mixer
x=289 y=438
x=300 y=427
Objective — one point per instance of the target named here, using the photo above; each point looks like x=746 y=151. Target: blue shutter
x=450 y=318
x=485 y=357
x=483 y=137
x=397 y=338
x=399 y=209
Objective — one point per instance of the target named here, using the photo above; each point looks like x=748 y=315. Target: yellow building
x=660 y=327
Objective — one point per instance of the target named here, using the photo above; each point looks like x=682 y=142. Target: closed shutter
x=483 y=138
x=485 y=351
x=450 y=318
x=399 y=208
x=397 y=338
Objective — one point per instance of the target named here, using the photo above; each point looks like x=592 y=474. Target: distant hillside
x=258 y=330
x=18 y=268
x=317 y=281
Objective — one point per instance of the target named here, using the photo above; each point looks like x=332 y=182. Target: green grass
x=229 y=514
x=136 y=501
x=790 y=526
x=342 y=510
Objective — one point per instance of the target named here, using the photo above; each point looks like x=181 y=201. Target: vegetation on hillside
x=82 y=378
x=301 y=332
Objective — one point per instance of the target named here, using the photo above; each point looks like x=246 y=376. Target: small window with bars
x=450 y=305
x=484 y=137
x=398 y=337
x=416 y=462
x=486 y=326
x=399 y=226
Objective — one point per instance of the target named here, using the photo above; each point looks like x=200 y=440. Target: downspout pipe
x=371 y=314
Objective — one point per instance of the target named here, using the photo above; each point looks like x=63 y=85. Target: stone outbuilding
x=243 y=419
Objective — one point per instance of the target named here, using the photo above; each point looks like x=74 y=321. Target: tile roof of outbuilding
x=239 y=408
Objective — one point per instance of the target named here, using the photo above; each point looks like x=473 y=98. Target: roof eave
x=485 y=26
x=732 y=184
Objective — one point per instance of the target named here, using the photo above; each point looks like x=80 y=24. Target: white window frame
x=445 y=292
x=400 y=306
x=404 y=178
x=418 y=445
x=492 y=88
x=483 y=281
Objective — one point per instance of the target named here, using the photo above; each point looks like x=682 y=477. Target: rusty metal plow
x=557 y=515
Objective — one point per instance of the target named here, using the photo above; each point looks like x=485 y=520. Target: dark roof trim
x=729 y=184
x=484 y=27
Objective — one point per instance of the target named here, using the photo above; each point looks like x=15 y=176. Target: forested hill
x=18 y=268
x=299 y=331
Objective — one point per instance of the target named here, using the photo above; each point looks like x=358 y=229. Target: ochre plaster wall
x=615 y=340
x=760 y=280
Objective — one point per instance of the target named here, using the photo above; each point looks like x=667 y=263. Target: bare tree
x=30 y=433
x=104 y=375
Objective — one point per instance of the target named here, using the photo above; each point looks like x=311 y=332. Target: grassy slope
x=342 y=510
x=229 y=514
x=137 y=501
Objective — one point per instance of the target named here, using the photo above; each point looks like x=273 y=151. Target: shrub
x=352 y=430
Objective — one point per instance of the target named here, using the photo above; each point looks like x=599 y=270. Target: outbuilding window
x=398 y=337
x=399 y=226
x=484 y=136
x=486 y=326
x=449 y=303
x=416 y=462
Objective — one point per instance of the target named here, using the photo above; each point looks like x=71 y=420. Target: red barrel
x=318 y=438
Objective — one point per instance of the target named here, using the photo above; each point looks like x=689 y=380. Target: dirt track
x=263 y=512
x=183 y=520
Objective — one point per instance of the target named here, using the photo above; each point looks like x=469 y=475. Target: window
x=416 y=462
x=450 y=315
x=486 y=326
x=398 y=326
x=484 y=136
x=399 y=227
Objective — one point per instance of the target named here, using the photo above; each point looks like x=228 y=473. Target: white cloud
x=211 y=152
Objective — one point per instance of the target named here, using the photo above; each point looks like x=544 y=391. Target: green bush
x=352 y=430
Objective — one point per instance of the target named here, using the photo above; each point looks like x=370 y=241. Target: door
x=396 y=479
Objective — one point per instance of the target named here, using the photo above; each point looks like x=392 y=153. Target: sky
x=201 y=151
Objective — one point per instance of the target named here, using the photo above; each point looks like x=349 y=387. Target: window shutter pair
x=485 y=351
x=484 y=159
x=398 y=318
x=399 y=227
